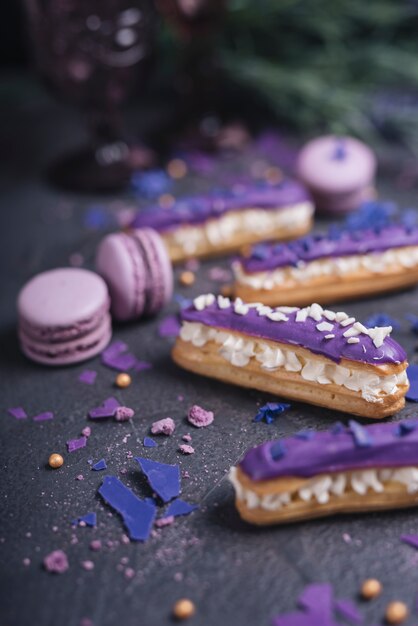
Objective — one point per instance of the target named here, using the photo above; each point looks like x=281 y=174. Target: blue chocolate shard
x=404 y=428
x=361 y=437
x=277 y=451
x=100 y=465
x=306 y=435
x=180 y=507
x=138 y=515
x=150 y=443
x=163 y=479
x=412 y=393
x=90 y=519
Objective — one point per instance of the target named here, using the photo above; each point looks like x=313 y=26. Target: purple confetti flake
x=412 y=393
x=179 y=507
x=411 y=540
x=169 y=327
x=361 y=437
x=76 y=444
x=100 y=465
x=56 y=562
x=90 y=519
x=317 y=596
x=294 y=619
x=149 y=442
x=106 y=409
x=117 y=357
x=18 y=412
x=138 y=515
x=270 y=411
x=43 y=417
x=88 y=377
x=163 y=479
x=199 y=417
x=348 y=611
x=166 y=426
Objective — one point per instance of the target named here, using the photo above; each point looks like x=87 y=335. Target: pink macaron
x=138 y=272
x=338 y=171
x=64 y=316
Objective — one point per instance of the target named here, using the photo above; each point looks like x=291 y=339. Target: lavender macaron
x=138 y=272
x=64 y=316
x=338 y=171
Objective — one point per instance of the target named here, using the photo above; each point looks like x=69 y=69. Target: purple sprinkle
x=411 y=540
x=90 y=519
x=169 y=327
x=164 y=479
x=361 y=437
x=100 y=465
x=199 y=417
x=76 y=444
x=138 y=515
x=43 y=417
x=412 y=393
x=88 y=377
x=179 y=507
x=184 y=448
x=123 y=414
x=56 y=562
x=165 y=426
x=18 y=412
x=117 y=357
x=348 y=611
x=149 y=442
x=107 y=409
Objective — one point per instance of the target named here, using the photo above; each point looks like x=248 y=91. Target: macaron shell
x=160 y=273
x=68 y=352
x=120 y=263
x=62 y=298
x=321 y=171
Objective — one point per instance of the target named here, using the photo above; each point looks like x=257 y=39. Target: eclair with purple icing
x=224 y=222
x=329 y=268
x=341 y=470
x=311 y=354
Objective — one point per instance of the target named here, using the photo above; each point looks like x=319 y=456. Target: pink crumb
x=86 y=431
x=56 y=562
x=180 y=398
x=178 y=576
x=123 y=414
x=185 y=474
x=26 y=562
x=199 y=417
x=95 y=545
x=129 y=573
x=187 y=438
x=192 y=265
x=165 y=426
x=125 y=540
x=164 y=521
x=79 y=477
x=87 y=565
x=186 y=449
x=86 y=621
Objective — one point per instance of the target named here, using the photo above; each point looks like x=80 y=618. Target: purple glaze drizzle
x=267 y=256
x=303 y=334
x=198 y=209
x=331 y=452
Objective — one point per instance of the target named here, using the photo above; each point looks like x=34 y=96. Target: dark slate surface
x=236 y=575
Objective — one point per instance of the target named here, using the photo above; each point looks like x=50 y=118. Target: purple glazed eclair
x=137 y=271
x=341 y=470
x=310 y=354
x=329 y=268
x=199 y=226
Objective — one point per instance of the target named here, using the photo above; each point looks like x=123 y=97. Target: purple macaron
x=338 y=171
x=138 y=272
x=64 y=316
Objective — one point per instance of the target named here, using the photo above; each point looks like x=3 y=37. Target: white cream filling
x=239 y=351
x=321 y=488
x=377 y=263
x=219 y=230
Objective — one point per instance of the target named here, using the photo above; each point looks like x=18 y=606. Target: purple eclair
x=341 y=470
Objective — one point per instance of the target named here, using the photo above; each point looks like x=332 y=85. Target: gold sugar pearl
x=396 y=612
x=187 y=278
x=177 y=168
x=55 y=461
x=123 y=380
x=371 y=588
x=183 y=609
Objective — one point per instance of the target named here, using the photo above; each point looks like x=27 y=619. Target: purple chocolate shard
x=412 y=373
x=270 y=411
x=100 y=465
x=348 y=611
x=317 y=598
x=117 y=357
x=362 y=438
x=18 y=412
x=338 y=428
x=90 y=519
x=149 y=442
x=138 y=516
x=296 y=618
x=88 y=377
x=107 y=409
x=169 y=327
x=43 y=417
x=163 y=479
x=180 y=507
x=411 y=540
x=76 y=444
